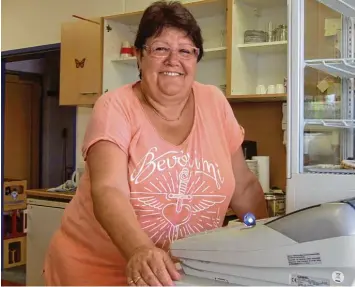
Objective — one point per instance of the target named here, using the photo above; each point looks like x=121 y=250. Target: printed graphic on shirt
x=178 y=194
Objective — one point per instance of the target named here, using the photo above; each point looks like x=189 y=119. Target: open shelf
x=345 y=7
x=132 y=61
x=332 y=169
x=251 y=62
x=214 y=53
x=264 y=47
x=200 y=9
x=209 y=54
x=342 y=124
x=258 y=98
x=264 y=4
x=344 y=68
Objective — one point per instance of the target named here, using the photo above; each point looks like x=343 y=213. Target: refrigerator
x=320 y=105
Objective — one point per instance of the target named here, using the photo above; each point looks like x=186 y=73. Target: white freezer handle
x=289 y=87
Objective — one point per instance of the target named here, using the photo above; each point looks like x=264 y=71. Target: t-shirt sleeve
x=233 y=130
x=109 y=122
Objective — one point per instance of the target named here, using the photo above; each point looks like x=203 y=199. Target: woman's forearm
x=116 y=215
x=249 y=197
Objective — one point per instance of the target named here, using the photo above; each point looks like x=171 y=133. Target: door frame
x=11 y=56
x=26 y=53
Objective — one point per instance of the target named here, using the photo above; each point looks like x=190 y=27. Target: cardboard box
x=14 y=194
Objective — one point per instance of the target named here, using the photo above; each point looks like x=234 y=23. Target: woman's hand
x=151 y=266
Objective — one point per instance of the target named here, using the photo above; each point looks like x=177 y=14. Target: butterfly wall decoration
x=80 y=64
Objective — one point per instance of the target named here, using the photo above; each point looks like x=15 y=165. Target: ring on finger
x=137 y=279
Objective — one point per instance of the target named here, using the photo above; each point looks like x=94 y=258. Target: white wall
x=31 y=23
x=38 y=22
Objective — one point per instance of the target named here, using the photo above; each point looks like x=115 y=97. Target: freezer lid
x=318 y=222
x=47 y=203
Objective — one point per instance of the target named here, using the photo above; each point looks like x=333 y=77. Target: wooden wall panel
x=21 y=136
x=263 y=123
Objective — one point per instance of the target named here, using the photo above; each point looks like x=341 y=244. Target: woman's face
x=168 y=67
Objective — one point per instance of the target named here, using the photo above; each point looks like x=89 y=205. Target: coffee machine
x=249 y=149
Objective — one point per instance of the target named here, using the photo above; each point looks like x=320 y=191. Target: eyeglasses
x=185 y=52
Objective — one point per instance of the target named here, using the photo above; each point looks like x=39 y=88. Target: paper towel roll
x=264 y=172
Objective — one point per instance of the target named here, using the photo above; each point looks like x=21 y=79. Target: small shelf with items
x=345 y=7
x=14 y=218
x=265 y=47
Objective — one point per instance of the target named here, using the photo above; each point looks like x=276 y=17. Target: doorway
x=38 y=135
x=43 y=138
x=21 y=128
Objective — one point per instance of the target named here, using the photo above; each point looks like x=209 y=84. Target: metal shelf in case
x=344 y=68
x=345 y=124
x=345 y=7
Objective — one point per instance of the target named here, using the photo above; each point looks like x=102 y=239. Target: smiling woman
x=169 y=45
x=163 y=161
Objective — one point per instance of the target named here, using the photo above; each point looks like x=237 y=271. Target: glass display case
x=321 y=122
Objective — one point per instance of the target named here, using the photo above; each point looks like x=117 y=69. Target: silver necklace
x=159 y=114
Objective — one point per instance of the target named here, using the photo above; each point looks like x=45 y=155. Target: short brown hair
x=161 y=14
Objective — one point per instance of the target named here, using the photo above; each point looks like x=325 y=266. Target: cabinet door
x=81 y=62
x=42 y=223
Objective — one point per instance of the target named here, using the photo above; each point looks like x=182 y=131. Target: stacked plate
x=253 y=166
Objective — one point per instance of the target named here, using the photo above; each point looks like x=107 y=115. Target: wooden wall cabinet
x=81 y=62
x=254 y=63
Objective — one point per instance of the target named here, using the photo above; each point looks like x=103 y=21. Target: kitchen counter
x=44 y=194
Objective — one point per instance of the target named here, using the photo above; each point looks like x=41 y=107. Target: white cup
x=271 y=89
x=260 y=90
x=280 y=89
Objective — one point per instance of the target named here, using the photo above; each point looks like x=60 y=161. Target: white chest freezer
x=310 y=247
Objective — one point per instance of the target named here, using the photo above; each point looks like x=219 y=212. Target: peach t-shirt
x=175 y=190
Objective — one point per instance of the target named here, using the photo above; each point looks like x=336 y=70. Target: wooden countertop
x=43 y=193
